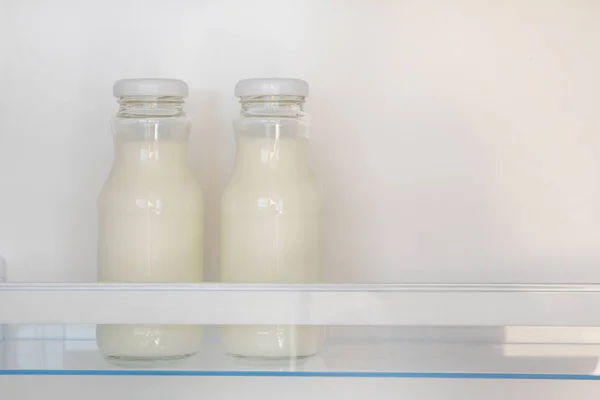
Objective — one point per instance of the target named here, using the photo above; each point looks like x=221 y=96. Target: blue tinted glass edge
x=405 y=375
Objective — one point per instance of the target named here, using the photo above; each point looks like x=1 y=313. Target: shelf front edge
x=349 y=305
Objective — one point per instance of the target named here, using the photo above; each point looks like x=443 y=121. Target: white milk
x=271 y=233
x=150 y=231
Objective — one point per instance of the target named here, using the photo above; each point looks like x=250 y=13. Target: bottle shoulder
x=290 y=195
x=121 y=192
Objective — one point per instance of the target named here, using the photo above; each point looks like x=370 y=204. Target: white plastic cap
x=150 y=87
x=271 y=87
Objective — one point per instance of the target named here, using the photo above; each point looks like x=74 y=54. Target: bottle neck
x=272 y=137
x=150 y=136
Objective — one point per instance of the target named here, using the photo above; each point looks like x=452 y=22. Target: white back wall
x=455 y=140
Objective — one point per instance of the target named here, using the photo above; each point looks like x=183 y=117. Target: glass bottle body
x=150 y=222
x=271 y=219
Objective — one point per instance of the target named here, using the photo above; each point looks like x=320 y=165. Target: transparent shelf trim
x=244 y=304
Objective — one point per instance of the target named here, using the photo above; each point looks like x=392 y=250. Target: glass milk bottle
x=271 y=211
x=150 y=214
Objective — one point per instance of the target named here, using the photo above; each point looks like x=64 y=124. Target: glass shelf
x=378 y=331
x=451 y=353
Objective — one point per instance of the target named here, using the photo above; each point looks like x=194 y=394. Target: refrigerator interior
x=455 y=142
